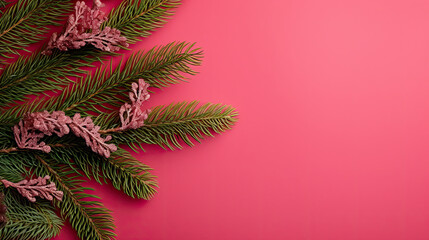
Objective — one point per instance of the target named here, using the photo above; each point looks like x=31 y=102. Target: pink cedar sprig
x=34 y=126
x=38 y=187
x=85 y=128
x=131 y=115
x=83 y=27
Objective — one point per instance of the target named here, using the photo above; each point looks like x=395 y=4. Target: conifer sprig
x=167 y=125
x=160 y=67
x=26 y=21
x=99 y=95
x=126 y=173
x=138 y=18
x=88 y=217
x=39 y=73
x=37 y=221
x=52 y=71
x=108 y=87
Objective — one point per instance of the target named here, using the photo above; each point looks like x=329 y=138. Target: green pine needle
x=36 y=221
x=160 y=67
x=88 y=217
x=184 y=121
x=125 y=172
x=138 y=18
x=38 y=73
x=26 y=22
x=13 y=166
x=108 y=88
x=3 y=4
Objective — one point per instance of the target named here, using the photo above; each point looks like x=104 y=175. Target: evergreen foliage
x=27 y=220
x=25 y=22
x=98 y=95
x=88 y=217
x=184 y=121
x=138 y=18
x=39 y=73
x=29 y=72
x=3 y=4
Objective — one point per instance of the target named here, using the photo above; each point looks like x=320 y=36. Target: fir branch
x=26 y=220
x=13 y=166
x=138 y=18
x=39 y=73
x=89 y=218
x=8 y=150
x=93 y=95
x=160 y=67
x=124 y=171
x=167 y=124
x=26 y=22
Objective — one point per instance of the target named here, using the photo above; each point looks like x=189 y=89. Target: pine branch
x=160 y=67
x=167 y=125
x=89 y=218
x=26 y=220
x=39 y=73
x=106 y=90
x=26 y=22
x=124 y=171
x=13 y=166
x=138 y=18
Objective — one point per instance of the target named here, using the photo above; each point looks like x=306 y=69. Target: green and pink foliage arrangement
x=52 y=143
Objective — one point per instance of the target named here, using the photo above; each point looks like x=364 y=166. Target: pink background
x=333 y=137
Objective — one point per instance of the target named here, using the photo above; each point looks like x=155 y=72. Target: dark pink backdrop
x=333 y=137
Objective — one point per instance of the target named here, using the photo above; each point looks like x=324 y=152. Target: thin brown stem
x=118 y=129
x=14 y=25
x=8 y=150
x=110 y=130
x=14 y=149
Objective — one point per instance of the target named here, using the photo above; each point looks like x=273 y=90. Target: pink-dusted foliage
x=27 y=138
x=33 y=188
x=48 y=123
x=85 y=128
x=83 y=27
x=131 y=115
x=34 y=126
